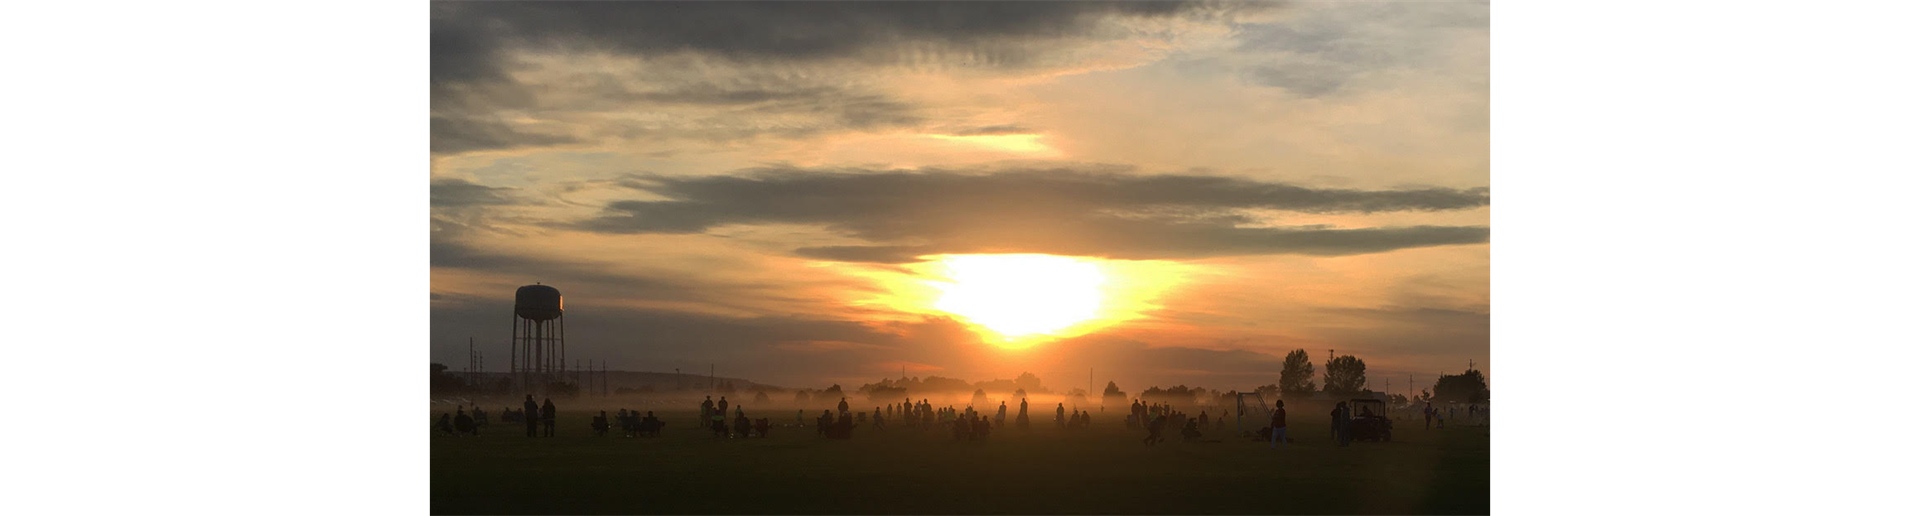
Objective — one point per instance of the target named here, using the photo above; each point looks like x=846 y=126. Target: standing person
x=1345 y=423
x=723 y=407
x=843 y=405
x=1279 y=423
x=1020 y=420
x=706 y=409
x=1334 y=421
x=1000 y=419
x=1428 y=412
x=1153 y=430
x=1060 y=415
x=530 y=412
x=547 y=414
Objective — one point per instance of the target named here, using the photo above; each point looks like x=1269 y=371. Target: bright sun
x=1021 y=295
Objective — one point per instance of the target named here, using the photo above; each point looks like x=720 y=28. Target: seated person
x=650 y=426
x=463 y=424
x=760 y=427
x=599 y=424
x=841 y=429
x=445 y=424
x=1191 y=432
x=741 y=425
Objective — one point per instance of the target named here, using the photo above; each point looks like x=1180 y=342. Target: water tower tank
x=537 y=302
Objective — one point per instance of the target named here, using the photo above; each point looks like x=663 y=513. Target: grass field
x=1102 y=470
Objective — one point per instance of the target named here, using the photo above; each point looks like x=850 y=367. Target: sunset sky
x=782 y=189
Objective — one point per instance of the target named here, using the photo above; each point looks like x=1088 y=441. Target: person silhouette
x=650 y=425
x=843 y=405
x=463 y=423
x=706 y=409
x=1279 y=424
x=723 y=406
x=530 y=413
x=1020 y=420
x=1000 y=418
x=547 y=414
x=442 y=425
x=1060 y=415
x=1343 y=419
x=599 y=424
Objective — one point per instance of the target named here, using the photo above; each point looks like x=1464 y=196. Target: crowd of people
x=965 y=423
x=631 y=423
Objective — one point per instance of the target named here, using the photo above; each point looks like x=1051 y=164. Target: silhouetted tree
x=761 y=397
x=1346 y=375
x=445 y=383
x=1296 y=373
x=801 y=396
x=832 y=394
x=1468 y=387
x=1029 y=382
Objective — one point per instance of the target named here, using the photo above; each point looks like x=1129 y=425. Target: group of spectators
x=632 y=424
x=538 y=417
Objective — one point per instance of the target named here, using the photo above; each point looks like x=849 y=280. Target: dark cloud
x=768 y=67
x=766 y=30
x=454 y=134
x=905 y=214
x=1322 y=51
x=455 y=193
x=448 y=248
x=992 y=130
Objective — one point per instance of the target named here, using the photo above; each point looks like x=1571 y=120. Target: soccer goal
x=1251 y=412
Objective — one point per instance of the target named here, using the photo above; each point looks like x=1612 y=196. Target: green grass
x=1102 y=470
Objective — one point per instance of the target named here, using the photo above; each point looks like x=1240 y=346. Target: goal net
x=1251 y=412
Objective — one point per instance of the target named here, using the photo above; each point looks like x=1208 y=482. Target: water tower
x=539 y=337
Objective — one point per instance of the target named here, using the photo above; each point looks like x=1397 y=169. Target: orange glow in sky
x=1022 y=143
x=1017 y=301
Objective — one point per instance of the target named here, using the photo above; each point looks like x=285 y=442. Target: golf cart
x=1370 y=421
